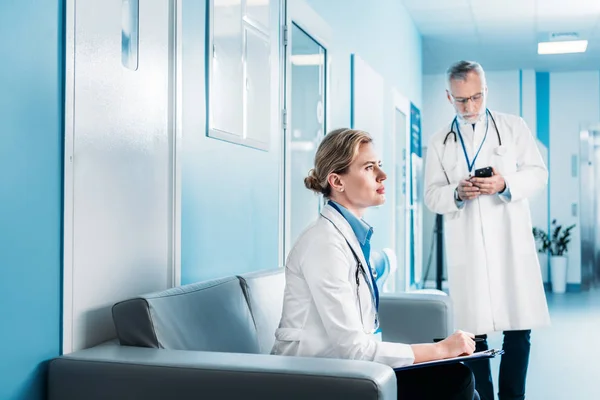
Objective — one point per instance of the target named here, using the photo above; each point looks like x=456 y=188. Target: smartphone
x=483 y=172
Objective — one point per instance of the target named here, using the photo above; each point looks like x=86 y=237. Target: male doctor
x=493 y=271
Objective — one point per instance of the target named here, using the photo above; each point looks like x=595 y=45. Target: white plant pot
x=558 y=274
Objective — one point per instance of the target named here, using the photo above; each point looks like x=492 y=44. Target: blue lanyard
x=470 y=165
x=374 y=289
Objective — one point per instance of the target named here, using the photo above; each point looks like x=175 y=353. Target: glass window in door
x=307 y=127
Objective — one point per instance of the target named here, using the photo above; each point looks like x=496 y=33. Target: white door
x=400 y=196
x=400 y=199
x=119 y=160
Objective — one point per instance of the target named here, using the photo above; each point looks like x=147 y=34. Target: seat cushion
x=264 y=290
x=206 y=316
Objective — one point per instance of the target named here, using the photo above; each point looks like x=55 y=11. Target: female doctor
x=330 y=301
x=493 y=271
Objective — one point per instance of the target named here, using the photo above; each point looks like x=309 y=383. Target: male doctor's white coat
x=493 y=270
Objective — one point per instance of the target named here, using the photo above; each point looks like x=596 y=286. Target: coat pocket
x=505 y=161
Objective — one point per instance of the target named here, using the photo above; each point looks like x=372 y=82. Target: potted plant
x=557 y=246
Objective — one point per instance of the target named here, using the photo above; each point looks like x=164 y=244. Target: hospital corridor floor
x=565 y=358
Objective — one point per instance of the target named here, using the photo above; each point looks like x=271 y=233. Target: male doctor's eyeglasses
x=476 y=98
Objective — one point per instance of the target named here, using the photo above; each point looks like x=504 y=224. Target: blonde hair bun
x=312 y=182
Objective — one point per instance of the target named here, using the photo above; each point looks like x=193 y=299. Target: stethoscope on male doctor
x=455 y=124
x=455 y=131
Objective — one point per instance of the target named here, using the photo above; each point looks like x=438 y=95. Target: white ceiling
x=503 y=34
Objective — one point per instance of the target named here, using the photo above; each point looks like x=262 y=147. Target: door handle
x=130 y=30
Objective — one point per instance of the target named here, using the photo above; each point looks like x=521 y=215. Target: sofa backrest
x=207 y=316
x=264 y=292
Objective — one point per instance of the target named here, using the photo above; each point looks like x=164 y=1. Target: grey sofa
x=211 y=340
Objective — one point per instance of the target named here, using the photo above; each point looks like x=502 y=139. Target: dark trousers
x=441 y=382
x=513 y=367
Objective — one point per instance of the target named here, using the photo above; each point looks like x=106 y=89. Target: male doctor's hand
x=467 y=190
x=492 y=185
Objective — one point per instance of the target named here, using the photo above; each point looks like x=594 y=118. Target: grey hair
x=459 y=71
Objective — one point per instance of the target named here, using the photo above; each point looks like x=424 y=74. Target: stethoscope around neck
x=360 y=270
x=454 y=124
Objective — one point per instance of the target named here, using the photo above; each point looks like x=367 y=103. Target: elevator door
x=590 y=207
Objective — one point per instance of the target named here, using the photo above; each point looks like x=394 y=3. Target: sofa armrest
x=120 y=372
x=415 y=317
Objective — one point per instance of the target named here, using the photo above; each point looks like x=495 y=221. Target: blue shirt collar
x=362 y=230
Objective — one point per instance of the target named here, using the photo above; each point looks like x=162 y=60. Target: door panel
x=122 y=165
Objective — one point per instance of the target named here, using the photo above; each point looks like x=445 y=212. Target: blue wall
x=230 y=193
x=542 y=86
x=31 y=104
x=542 y=95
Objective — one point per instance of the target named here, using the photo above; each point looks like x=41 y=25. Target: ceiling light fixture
x=562 y=47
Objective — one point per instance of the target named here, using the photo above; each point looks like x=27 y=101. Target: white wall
x=504 y=91
x=538 y=205
x=574 y=104
x=436 y=111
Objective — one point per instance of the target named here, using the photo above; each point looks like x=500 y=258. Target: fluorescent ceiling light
x=563 y=47
x=308 y=59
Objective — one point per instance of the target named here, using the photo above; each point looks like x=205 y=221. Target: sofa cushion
x=264 y=291
x=206 y=316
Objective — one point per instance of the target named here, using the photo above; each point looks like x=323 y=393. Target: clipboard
x=480 y=355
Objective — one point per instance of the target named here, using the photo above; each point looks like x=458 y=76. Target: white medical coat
x=493 y=270
x=322 y=315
